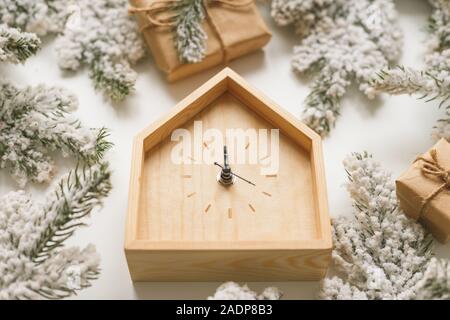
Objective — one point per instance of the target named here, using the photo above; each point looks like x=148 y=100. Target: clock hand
x=234 y=174
x=225 y=176
x=225 y=158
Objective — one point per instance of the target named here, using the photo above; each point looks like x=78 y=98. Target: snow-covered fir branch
x=379 y=253
x=16 y=46
x=433 y=83
x=37 y=120
x=403 y=80
x=342 y=41
x=41 y=17
x=33 y=261
x=106 y=39
x=303 y=14
x=190 y=38
x=436 y=281
x=233 y=291
x=98 y=34
x=185 y=19
x=442 y=128
x=439 y=25
x=428 y=85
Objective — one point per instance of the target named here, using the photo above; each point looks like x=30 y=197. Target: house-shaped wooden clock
x=227 y=186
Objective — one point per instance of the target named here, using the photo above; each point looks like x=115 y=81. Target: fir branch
x=380 y=253
x=75 y=197
x=433 y=83
x=190 y=38
x=442 y=128
x=101 y=146
x=70 y=264
x=40 y=17
x=107 y=40
x=301 y=13
x=404 y=80
x=424 y=84
x=16 y=46
x=100 y=35
x=321 y=107
x=427 y=85
x=36 y=120
x=115 y=80
x=33 y=261
x=439 y=25
x=436 y=281
x=233 y=291
x=344 y=41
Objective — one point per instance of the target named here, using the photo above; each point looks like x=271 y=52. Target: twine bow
x=157 y=8
x=434 y=168
x=164 y=14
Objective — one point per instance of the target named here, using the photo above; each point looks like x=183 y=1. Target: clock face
x=262 y=189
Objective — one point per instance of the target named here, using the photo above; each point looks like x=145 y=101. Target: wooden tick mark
x=191 y=194
x=207 y=208
x=187 y=176
x=251 y=207
x=271 y=175
x=267 y=194
x=248 y=145
x=230 y=213
x=205 y=145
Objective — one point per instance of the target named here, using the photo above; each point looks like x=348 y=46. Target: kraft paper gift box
x=233 y=28
x=424 y=190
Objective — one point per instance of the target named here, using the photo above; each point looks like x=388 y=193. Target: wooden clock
x=227 y=186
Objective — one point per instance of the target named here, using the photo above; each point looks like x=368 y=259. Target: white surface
x=394 y=129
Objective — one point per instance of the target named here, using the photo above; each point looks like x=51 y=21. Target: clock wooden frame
x=268 y=259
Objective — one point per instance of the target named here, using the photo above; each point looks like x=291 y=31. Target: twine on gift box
x=434 y=168
x=156 y=8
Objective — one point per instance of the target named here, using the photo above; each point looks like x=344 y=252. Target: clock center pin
x=225 y=176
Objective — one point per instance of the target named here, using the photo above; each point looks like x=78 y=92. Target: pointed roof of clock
x=229 y=81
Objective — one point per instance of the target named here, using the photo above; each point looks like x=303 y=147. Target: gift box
x=424 y=190
x=233 y=28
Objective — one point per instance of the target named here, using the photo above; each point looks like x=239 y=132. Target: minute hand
x=237 y=176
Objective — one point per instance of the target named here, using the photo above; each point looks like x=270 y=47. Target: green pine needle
x=17 y=46
x=74 y=199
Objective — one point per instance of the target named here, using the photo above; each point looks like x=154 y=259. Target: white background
x=394 y=129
